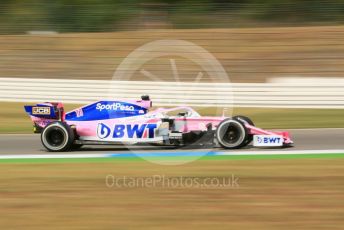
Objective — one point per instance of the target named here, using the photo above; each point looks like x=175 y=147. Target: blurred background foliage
x=17 y=16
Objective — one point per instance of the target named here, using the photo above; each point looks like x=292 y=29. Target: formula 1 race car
x=131 y=122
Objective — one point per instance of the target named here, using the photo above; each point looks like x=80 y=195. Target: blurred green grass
x=306 y=192
x=13 y=119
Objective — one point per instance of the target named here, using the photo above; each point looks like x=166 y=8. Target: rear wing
x=44 y=113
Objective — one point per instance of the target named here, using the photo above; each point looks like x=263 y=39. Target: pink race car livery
x=131 y=122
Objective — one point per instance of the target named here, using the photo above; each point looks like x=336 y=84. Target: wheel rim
x=231 y=134
x=55 y=137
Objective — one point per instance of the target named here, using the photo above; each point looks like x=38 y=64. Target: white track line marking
x=53 y=156
x=229 y=153
x=281 y=152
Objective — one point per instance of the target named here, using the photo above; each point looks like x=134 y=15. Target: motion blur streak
x=277 y=93
x=254 y=41
x=88 y=40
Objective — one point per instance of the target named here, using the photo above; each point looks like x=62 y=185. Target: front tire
x=231 y=134
x=243 y=119
x=57 y=137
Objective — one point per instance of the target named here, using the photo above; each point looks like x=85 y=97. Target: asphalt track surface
x=304 y=139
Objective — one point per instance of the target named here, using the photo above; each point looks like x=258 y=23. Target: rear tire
x=231 y=134
x=57 y=137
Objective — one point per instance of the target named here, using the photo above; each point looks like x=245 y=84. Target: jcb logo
x=41 y=110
